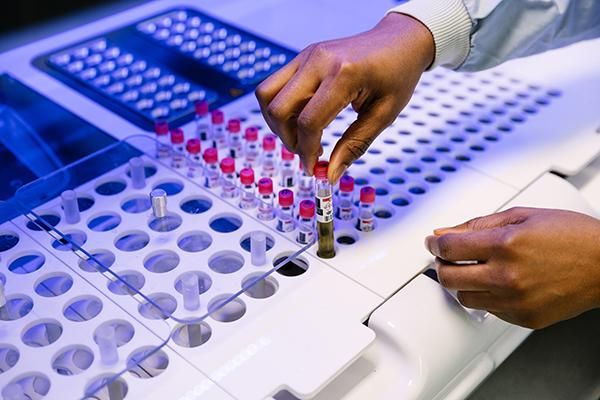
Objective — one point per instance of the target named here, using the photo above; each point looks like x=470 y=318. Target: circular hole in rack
x=54 y=284
x=359 y=161
x=393 y=160
x=204 y=281
x=226 y=262
x=110 y=188
x=44 y=222
x=346 y=238
x=401 y=201
x=160 y=306
x=149 y=170
x=70 y=241
x=448 y=168
x=124 y=331
x=32 y=386
x=104 y=222
x=196 y=205
x=224 y=308
x=72 y=360
x=82 y=308
x=258 y=286
x=8 y=240
x=147 y=362
x=17 y=306
x=246 y=241
x=132 y=241
x=381 y=191
x=104 y=387
x=396 y=180
x=170 y=187
x=462 y=157
x=194 y=241
x=42 y=333
x=430 y=178
x=293 y=267
x=383 y=212
x=27 y=263
x=130 y=283
x=361 y=181
x=225 y=223
x=168 y=223
x=9 y=357
x=136 y=205
x=191 y=335
x=418 y=190
x=99 y=261
x=161 y=261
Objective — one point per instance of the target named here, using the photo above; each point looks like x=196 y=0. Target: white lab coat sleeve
x=499 y=30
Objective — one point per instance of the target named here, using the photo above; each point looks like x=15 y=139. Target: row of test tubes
x=257 y=158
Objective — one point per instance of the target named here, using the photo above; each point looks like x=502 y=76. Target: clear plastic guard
x=44 y=299
x=182 y=267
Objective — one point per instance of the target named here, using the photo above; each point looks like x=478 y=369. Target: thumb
x=359 y=136
x=512 y=216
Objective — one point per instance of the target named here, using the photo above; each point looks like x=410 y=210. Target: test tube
x=158 y=198
x=14 y=391
x=107 y=343
x=138 y=175
x=323 y=192
x=258 y=248
x=70 y=206
x=190 y=290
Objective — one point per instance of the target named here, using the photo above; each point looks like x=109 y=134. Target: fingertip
x=431 y=244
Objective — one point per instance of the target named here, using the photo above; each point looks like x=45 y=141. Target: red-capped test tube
x=324 y=201
x=345 y=198
x=285 y=212
x=306 y=183
x=202 y=122
x=366 y=220
x=234 y=127
x=287 y=170
x=266 y=197
x=193 y=148
x=269 y=162
x=306 y=222
x=178 y=155
x=217 y=131
x=228 y=178
x=163 y=145
x=248 y=188
x=211 y=171
x=251 y=148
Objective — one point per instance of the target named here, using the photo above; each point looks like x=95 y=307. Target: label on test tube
x=324 y=209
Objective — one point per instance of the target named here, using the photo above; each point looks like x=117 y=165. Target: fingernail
x=441 y=231
x=431 y=244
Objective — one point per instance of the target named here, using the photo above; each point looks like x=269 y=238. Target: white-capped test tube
x=158 y=199
x=258 y=248
x=70 y=206
x=107 y=344
x=14 y=391
x=190 y=289
x=138 y=175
